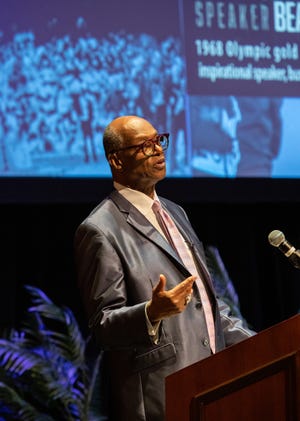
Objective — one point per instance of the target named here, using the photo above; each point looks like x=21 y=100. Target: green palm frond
x=15 y=360
x=57 y=326
x=67 y=336
x=17 y=408
x=30 y=373
x=43 y=365
x=37 y=295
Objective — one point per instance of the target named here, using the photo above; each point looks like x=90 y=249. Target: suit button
x=205 y=342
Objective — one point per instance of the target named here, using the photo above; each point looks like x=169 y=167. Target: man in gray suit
x=142 y=304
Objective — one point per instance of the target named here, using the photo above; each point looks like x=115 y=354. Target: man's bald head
x=119 y=132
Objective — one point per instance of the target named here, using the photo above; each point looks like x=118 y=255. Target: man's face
x=138 y=171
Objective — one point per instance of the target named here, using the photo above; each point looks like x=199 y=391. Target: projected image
x=235 y=136
x=222 y=80
x=59 y=97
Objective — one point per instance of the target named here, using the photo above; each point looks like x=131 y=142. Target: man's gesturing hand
x=166 y=303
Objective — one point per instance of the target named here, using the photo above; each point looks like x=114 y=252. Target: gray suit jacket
x=120 y=256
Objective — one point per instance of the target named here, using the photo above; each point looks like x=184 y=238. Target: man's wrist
x=152 y=319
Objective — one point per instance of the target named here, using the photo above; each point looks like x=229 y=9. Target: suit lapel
x=140 y=223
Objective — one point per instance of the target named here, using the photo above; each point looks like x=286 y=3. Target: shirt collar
x=138 y=199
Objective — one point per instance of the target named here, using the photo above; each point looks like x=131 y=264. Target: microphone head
x=276 y=238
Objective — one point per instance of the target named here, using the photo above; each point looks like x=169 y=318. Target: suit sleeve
x=233 y=328
x=101 y=280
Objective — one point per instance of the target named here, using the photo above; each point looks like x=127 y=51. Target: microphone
x=277 y=239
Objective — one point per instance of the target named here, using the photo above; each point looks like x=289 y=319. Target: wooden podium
x=255 y=380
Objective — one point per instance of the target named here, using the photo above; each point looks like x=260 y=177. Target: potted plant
x=44 y=371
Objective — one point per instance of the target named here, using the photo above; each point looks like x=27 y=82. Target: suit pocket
x=154 y=357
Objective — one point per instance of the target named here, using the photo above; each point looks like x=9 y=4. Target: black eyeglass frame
x=154 y=141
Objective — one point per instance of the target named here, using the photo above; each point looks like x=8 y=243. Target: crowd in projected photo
x=58 y=97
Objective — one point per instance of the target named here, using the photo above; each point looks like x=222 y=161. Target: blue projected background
x=222 y=78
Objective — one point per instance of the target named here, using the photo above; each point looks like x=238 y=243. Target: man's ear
x=115 y=162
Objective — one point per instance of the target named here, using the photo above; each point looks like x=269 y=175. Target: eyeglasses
x=148 y=146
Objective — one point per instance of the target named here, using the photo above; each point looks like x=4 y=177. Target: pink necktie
x=177 y=242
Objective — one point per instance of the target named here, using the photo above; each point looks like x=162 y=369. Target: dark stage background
x=36 y=249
